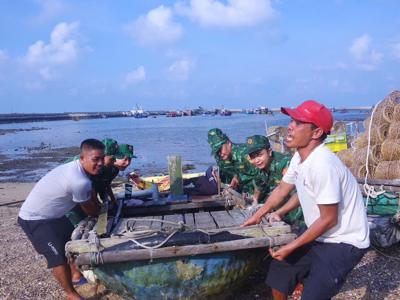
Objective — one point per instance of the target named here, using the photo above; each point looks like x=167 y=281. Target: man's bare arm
x=277 y=196
x=92 y=206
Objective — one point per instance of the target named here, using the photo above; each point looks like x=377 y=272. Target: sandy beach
x=24 y=274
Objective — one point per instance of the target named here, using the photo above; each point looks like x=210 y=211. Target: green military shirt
x=238 y=165
x=266 y=181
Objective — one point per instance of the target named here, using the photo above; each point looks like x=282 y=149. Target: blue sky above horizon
x=58 y=56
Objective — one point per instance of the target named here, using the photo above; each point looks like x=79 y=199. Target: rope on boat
x=368 y=189
x=157 y=246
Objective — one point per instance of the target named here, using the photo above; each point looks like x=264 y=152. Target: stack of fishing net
x=276 y=135
x=384 y=149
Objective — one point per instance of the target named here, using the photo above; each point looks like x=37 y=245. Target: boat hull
x=197 y=277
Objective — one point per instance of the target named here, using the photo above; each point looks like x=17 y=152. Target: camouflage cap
x=216 y=138
x=124 y=150
x=111 y=147
x=256 y=143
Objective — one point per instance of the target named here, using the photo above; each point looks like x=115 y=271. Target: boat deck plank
x=189 y=220
x=223 y=219
x=237 y=216
x=142 y=223
x=172 y=218
x=204 y=220
x=155 y=225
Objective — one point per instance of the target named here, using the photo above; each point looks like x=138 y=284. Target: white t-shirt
x=57 y=193
x=323 y=179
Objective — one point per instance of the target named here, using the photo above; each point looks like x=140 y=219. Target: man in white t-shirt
x=337 y=234
x=42 y=215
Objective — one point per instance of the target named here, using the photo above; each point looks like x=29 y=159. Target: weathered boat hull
x=197 y=277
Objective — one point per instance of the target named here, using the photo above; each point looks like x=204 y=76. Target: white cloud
x=180 y=69
x=156 y=27
x=62 y=50
x=3 y=55
x=235 y=13
x=136 y=76
x=367 y=58
x=396 y=50
x=50 y=9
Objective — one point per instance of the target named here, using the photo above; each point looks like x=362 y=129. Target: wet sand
x=24 y=275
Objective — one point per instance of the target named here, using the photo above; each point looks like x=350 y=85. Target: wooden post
x=175 y=175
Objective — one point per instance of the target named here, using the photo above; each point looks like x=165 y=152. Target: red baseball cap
x=311 y=111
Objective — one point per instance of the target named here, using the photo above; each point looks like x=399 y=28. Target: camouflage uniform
x=238 y=164
x=266 y=180
x=107 y=174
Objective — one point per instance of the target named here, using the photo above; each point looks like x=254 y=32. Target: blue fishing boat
x=185 y=255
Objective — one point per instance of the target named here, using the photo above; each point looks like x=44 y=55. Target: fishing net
x=394 y=130
x=390 y=150
x=279 y=131
x=374 y=154
x=338 y=127
x=346 y=156
x=387 y=170
x=396 y=113
x=387 y=113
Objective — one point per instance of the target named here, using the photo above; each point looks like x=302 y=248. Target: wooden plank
x=254 y=231
x=179 y=251
x=172 y=218
x=142 y=223
x=223 y=219
x=189 y=220
x=203 y=220
x=247 y=214
x=121 y=226
x=379 y=182
x=237 y=216
x=173 y=208
x=156 y=225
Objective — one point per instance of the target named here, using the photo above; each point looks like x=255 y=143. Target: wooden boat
x=187 y=255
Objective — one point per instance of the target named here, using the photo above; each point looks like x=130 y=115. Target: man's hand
x=234 y=182
x=254 y=220
x=281 y=253
x=273 y=217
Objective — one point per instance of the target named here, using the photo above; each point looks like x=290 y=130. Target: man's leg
x=278 y=295
x=75 y=273
x=331 y=262
x=63 y=275
x=283 y=276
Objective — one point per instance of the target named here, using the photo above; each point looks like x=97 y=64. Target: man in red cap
x=337 y=232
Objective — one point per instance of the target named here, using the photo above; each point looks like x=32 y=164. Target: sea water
x=153 y=138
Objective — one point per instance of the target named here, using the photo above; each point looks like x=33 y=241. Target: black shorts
x=322 y=267
x=49 y=238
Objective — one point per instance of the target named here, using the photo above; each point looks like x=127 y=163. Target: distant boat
x=174 y=114
x=139 y=113
x=225 y=112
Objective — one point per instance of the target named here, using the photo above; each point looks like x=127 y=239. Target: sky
x=86 y=55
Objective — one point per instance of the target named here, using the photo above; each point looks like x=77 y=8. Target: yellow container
x=336 y=142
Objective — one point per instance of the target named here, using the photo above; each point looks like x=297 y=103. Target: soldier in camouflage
x=271 y=166
x=235 y=169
